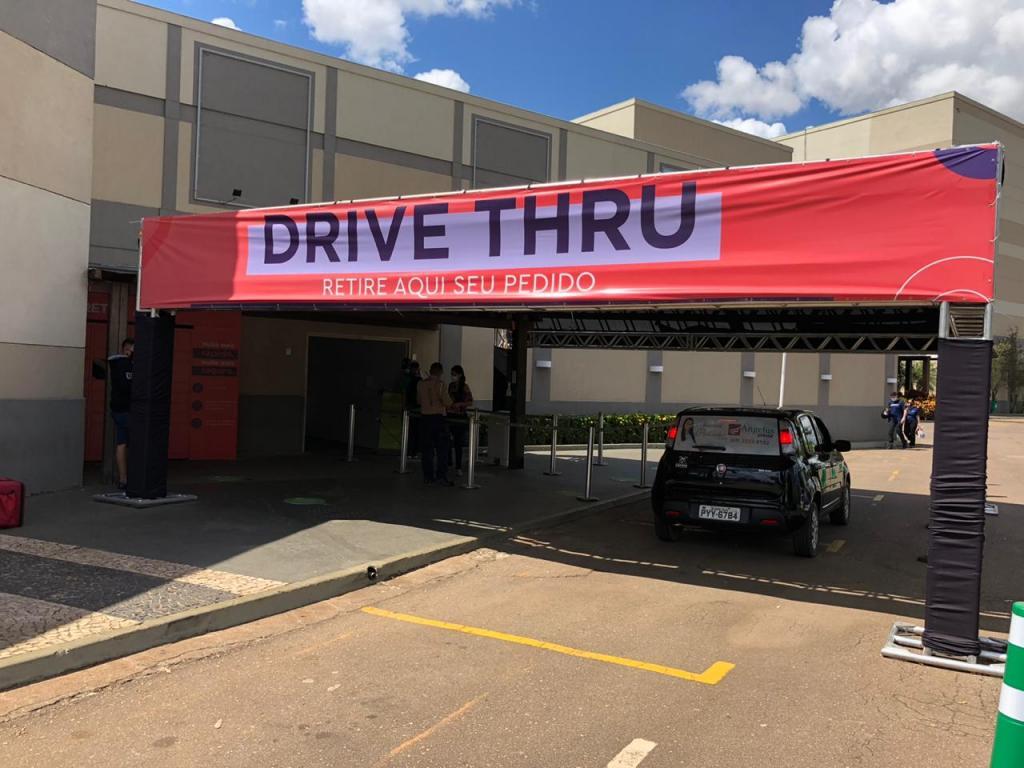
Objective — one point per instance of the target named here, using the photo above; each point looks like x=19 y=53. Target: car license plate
x=712 y=512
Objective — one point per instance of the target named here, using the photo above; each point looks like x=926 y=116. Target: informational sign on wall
x=911 y=227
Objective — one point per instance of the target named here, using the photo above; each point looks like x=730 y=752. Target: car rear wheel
x=841 y=514
x=805 y=538
x=665 y=531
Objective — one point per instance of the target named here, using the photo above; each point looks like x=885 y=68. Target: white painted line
x=633 y=754
x=879 y=497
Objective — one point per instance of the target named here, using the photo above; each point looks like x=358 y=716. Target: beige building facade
x=162 y=114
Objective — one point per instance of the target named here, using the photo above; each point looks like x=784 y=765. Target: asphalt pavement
x=586 y=644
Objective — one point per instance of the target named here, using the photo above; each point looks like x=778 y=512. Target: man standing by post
x=434 y=400
x=120 y=371
x=894 y=413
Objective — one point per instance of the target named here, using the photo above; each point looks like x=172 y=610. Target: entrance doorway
x=345 y=371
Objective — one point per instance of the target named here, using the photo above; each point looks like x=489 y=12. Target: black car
x=751 y=468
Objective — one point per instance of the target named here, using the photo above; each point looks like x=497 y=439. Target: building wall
x=272 y=400
x=46 y=110
x=704 y=142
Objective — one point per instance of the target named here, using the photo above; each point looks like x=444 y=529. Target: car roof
x=787 y=413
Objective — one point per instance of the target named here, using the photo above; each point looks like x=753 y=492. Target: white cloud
x=446 y=78
x=280 y=23
x=374 y=32
x=755 y=126
x=224 y=21
x=869 y=55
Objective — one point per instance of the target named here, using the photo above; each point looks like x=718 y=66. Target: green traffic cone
x=1008 y=747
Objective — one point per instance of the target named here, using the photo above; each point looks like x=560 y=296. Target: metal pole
x=352 y=432
x=403 y=458
x=474 y=433
x=600 y=441
x=590 y=467
x=553 y=466
x=643 y=457
x=782 y=381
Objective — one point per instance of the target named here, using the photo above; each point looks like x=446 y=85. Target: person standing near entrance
x=434 y=401
x=462 y=401
x=894 y=412
x=120 y=370
x=911 y=420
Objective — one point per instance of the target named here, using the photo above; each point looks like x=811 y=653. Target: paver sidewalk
x=79 y=568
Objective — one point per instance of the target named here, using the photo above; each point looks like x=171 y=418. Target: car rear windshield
x=746 y=435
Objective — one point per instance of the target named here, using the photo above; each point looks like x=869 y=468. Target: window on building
x=505 y=155
x=252 y=131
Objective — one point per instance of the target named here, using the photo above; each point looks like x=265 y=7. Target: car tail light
x=769 y=522
x=786 y=446
x=785 y=437
x=672 y=432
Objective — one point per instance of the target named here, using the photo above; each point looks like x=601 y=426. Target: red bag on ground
x=12 y=502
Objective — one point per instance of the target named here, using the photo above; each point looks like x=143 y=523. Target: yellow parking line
x=836 y=545
x=894 y=475
x=710 y=676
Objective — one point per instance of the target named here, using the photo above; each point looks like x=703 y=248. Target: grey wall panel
x=747 y=386
x=41 y=442
x=482 y=179
x=62 y=29
x=457 y=120
x=252 y=130
x=136 y=102
x=510 y=151
x=114 y=259
x=450 y=347
x=394 y=156
x=266 y=161
x=563 y=153
x=653 y=391
x=824 y=387
x=172 y=113
x=270 y=425
x=257 y=90
x=540 y=392
x=116 y=225
x=330 y=135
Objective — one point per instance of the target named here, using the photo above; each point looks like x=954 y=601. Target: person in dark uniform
x=120 y=371
x=911 y=419
x=894 y=412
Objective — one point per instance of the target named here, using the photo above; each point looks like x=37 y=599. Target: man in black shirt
x=120 y=371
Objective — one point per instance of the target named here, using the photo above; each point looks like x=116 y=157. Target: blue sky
x=764 y=67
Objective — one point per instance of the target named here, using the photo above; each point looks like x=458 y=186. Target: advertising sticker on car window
x=750 y=435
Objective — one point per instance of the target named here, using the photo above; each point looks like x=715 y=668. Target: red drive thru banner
x=916 y=227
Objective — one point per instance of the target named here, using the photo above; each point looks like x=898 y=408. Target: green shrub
x=618 y=428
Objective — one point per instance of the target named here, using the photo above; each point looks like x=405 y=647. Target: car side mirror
x=841 y=445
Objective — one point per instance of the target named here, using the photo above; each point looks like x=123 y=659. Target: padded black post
x=519 y=375
x=956 y=532
x=149 y=421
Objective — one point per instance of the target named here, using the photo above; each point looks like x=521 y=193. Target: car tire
x=805 y=538
x=841 y=514
x=665 y=531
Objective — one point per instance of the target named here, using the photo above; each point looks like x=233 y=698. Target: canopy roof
x=903 y=229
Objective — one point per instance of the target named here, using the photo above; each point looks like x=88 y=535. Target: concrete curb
x=50 y=662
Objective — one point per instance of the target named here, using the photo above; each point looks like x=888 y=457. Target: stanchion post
x=600 y=441
x=474 y=439
x=643 y=456
x=590 y=467
x=553 y=466
x=352 y=432
x=403 y=458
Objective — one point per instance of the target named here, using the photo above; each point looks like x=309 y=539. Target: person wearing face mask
x=462 y=400
x=894 y=412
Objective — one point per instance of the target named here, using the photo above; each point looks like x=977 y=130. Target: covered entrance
x=891 y=254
